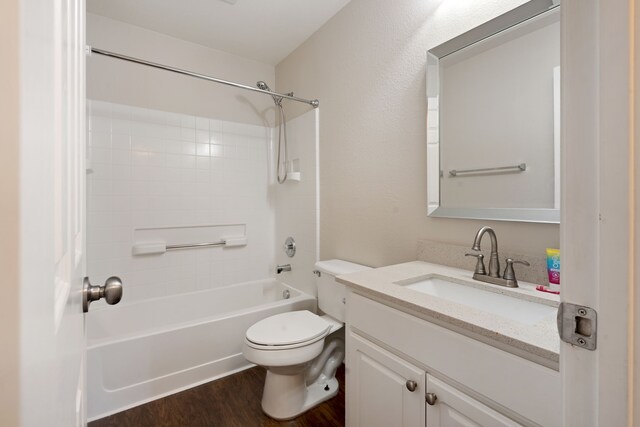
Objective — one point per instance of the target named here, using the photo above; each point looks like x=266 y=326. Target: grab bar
x=517 y=168
x=195 y=245
x=160 y=247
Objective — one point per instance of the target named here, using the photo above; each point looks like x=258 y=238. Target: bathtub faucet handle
x=281 y=268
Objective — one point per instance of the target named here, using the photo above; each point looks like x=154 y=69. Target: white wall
x=121 y=82
x=367 y=68
x=150 y=170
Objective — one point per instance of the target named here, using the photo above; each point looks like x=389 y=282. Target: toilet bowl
x=302 y=350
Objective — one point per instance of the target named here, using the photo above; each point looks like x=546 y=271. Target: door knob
x=431 y=398
x=411 y=385
x=111 y=292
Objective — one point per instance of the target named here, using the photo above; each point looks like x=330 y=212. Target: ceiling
x=265 y=31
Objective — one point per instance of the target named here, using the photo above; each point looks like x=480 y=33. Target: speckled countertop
x=538 y=342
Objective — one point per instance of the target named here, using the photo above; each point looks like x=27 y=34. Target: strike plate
x=578 y=325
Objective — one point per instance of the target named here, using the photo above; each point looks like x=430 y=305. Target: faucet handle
x=509 y=273
x=480 y=264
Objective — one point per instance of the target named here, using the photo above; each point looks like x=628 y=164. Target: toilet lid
x=288 y=328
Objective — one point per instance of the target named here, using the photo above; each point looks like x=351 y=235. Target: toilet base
x=286 y=396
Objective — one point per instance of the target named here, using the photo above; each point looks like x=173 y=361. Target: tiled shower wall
x=153 y=169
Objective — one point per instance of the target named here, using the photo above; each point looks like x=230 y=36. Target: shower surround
x=160 y=177
x=152 y=169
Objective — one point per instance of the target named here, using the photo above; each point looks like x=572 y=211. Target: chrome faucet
x=494 y=262
x=281 y=268
x=509 y=278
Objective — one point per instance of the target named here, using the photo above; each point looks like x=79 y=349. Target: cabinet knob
x=411 y=385
x=431 y=398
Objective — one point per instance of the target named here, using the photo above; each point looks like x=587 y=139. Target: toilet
x=301 y=350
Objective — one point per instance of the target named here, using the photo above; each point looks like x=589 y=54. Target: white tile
x=156 y=159
x=189 y=148
x=121 y=141
x=100 y=187
x=173 y=146
x=121 y=126
x=202 y=136
x=121 y=187
x=102 y=203
x=188 y=175
x=159 y=177
x=202 y=149
x=188 y=122
x=202 y=162
x=100 y=139
x=216 y=150
x=100 y=171
x=188 y=134
x=215 y=125
x=100 y=124
x=145 y=143
x=173 y=160
x=202 y=123
x=100 y=155
x=230 y=151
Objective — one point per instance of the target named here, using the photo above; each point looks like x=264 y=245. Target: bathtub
x=143 y=351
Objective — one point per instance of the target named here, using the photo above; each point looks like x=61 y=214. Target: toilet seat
x=287 y=330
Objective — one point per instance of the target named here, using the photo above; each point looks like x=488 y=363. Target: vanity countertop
x=538 y=342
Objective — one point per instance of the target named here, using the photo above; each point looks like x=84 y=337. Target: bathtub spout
x=324 y=366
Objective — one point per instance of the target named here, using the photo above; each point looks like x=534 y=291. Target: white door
x=452 y=408
x=599 y=213
x=52 y=212
x=382 y=389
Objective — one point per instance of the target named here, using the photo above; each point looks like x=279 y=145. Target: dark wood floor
x=233 y=401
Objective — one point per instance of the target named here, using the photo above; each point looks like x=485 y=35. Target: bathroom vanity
x=428 y=345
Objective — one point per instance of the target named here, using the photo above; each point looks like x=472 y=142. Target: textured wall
x=367 y=67
x=10 y=212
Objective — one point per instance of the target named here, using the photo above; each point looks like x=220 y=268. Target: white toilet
x=300 y=356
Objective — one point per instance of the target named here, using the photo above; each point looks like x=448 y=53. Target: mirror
x=493 y=121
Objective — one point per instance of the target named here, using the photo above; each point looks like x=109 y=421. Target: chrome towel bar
x=517 y=168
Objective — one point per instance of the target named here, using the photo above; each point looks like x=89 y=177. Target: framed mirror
x=493 y=120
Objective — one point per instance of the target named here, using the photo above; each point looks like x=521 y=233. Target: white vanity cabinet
x=391 y=352
x=383 y=389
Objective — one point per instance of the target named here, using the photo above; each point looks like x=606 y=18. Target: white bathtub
x=143 y=351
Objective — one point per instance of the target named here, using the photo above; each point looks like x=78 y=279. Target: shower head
x=262 y=85
x=276 y=99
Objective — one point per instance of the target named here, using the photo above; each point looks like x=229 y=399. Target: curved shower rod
x=313 y=102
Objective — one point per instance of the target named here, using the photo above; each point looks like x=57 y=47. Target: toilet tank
x=331 y=294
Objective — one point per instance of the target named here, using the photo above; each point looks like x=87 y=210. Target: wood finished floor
x=233 y=401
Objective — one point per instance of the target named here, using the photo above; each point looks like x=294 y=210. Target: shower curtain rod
x=313 y=102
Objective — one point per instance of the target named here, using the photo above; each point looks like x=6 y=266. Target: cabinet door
x=382 y=389
x=453 y=408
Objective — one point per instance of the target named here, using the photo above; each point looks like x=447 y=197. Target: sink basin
x=507 y=306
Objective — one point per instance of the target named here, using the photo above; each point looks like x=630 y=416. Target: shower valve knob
x=290 y=247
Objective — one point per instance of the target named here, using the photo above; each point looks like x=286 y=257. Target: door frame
x=599 y=209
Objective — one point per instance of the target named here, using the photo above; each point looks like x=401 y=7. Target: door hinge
x=578 y=325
